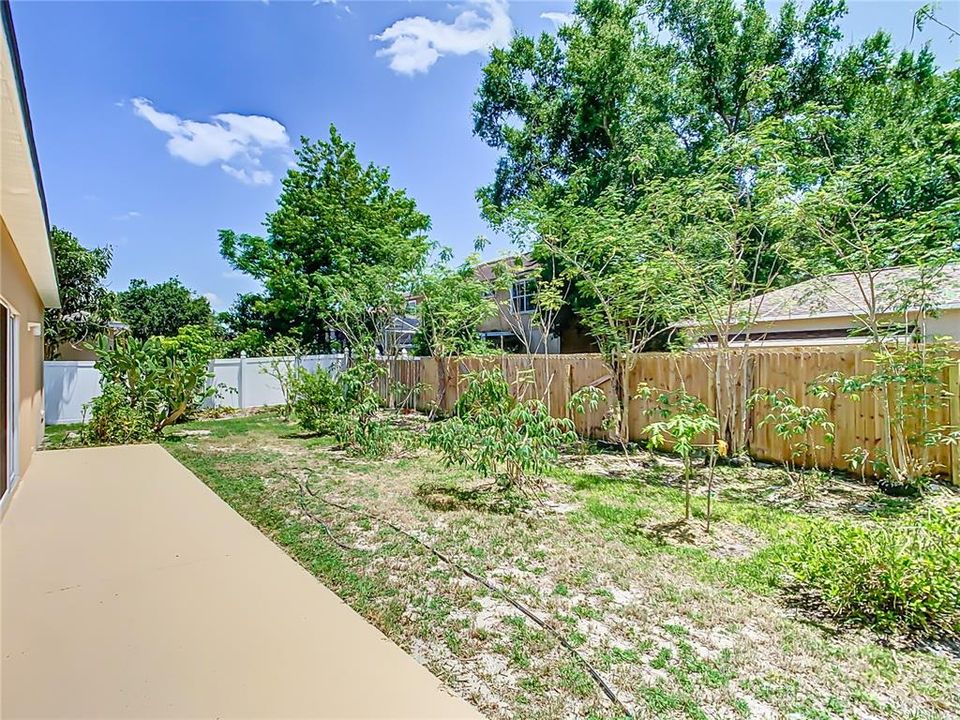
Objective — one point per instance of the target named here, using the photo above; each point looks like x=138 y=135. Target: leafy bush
x=317 y=398
x=346 y=407
x=113 y=420
x=142 y=384
x=356 y=426
x=904 y=575
x=498 y=436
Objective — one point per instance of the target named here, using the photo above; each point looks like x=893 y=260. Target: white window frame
x=522 y=293
x=13 y=384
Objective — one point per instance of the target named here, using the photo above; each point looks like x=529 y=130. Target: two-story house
x=515 y=325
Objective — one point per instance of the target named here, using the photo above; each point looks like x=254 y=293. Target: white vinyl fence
x=241 y=383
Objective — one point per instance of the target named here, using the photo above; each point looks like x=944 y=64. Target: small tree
x=496 y=435
x=317 y=400
x=897 y=264
x=624 y=285
x=907 y=384
x=797 y=425
x=284 y=355
x=722 y=231
x=356 y=425
x=686 y=418
x=450 y=306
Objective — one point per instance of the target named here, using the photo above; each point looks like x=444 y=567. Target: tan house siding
x=19 y=293
x=840 y=330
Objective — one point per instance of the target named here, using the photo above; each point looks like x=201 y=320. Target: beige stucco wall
x=19 y=293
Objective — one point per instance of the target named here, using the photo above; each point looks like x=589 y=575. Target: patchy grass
x=680 y=623
x=58 y=436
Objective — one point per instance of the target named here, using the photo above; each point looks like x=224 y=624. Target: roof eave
x=45 y=278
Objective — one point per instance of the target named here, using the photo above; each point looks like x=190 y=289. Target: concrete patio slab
x=130 y=590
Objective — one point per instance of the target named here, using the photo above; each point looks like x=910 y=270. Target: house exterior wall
x=946 y=324
x=521 y=324
x=507 y=320
x=20 y=294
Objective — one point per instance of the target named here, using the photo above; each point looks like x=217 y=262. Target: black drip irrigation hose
x=494 y=588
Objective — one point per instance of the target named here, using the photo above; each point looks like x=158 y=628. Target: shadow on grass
x=593 y=481
x=301 y=435
x=810 y=608
x=677 y=531
x=485 y=498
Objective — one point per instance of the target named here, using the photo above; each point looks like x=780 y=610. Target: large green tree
x=339 y=250
x=630 y=90
x=656 y=103
x=161 y=309
x=85 y=304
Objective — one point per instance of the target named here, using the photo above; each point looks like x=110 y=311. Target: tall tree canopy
x=632 y=90
x=85 y=304
x=161 y=309
x=710 y=119
x=342 y=242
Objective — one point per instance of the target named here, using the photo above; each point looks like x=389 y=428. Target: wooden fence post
x=953 y=387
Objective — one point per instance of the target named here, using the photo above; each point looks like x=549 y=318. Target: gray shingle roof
x=842 y=294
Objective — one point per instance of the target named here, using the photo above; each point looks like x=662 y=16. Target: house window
x=522 y=293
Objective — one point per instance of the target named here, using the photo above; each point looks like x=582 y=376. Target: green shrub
x=143 y=385
x=317 y=399
x=346 y=407
x=903 y=575
x=113 y=421
x=356 y=425
x=499 y=436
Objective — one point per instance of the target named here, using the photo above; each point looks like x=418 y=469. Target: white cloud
x=133 y=214
x=414 y=44
x=558 y=18
x=215 y=302
x=252 y=176
x=235 y=141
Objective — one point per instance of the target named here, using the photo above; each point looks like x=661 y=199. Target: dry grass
x=679 y=623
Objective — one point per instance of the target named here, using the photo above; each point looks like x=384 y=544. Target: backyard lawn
x=677 y=623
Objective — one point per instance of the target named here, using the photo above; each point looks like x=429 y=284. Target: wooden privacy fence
x=416 y=383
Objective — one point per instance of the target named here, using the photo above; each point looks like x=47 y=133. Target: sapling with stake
x=686 y=417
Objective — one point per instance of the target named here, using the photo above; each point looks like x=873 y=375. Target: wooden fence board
x=558 y=377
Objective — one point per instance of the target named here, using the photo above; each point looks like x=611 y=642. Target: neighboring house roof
x=487 y=271
x=404 y=324
x=841 y=295
x=24 y=206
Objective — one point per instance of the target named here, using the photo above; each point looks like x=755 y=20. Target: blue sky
x=142 y=111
